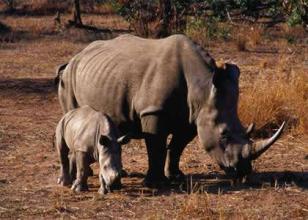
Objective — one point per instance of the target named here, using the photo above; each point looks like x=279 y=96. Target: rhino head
x=220 y=130
x=109 y=156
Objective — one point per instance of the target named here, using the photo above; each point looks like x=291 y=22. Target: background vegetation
x=266 y=39
x=205 y=21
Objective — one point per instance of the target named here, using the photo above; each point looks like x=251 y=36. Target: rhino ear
x=104 y=140
x=225 y=71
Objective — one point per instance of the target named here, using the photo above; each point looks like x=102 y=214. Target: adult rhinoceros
x=153 y=88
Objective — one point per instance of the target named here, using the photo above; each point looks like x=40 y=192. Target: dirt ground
x=29 y=166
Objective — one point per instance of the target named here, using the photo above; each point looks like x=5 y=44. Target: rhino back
x=80 y=129
x=129 y=76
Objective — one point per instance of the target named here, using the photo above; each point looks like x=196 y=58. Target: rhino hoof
x=102 y=191
x=79 y=187
x=63 y=181
x=156 y=183
x=176 y=178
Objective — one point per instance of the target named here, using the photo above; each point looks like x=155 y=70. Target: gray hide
x=86 y=136
x=153 y=88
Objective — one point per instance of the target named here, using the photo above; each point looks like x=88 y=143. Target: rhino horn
x=260 y=147
x=124 y=139
x=250 y=129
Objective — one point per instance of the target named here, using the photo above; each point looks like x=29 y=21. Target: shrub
x=204 y=29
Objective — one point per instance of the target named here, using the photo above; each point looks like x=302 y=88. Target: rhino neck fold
x=199 y=79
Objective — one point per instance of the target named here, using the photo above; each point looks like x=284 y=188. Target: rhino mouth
x=239 y=174
x=108 y=188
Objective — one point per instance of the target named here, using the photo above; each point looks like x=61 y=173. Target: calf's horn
x=260 y=147
x=250 y=129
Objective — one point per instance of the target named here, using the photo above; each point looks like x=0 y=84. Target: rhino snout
x=116 y=185
x=112 y=180
x=242 y=169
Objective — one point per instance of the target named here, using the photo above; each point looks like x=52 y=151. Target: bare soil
x=29 y=166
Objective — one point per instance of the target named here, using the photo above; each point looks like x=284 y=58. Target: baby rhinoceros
x=84 y=136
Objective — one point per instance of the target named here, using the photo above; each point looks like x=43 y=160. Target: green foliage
x=298 y=12
x=190 y=15
x=200 y=28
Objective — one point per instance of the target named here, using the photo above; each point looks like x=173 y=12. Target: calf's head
x=109 y=154
x=220 y=130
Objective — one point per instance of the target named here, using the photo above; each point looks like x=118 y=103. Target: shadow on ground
x=27 y=85
x=219 y=184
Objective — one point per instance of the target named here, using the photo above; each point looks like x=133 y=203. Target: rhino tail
x=59 y=72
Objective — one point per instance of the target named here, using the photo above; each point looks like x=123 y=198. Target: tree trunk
x=76 y=13
x=10 y=5
x=165 y=17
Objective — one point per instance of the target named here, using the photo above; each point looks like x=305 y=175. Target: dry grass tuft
x=281 y=96
x=241 y=43
x=255 y=35
x=196 y=205
x=248 y=37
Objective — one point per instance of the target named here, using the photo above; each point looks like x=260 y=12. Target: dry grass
x=29 y=111
x=247 y=37
x=196 y=205
x=241 y=43
x=277 y=96
x=48 y=7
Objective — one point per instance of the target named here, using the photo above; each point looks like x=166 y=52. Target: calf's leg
x=64 y=178
x=72 y=169
x=82 y=164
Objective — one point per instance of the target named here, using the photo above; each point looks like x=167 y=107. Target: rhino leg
x=82 y=164
x=155 y=138
x=64 y=178
x=156 y=148
x=174 y=152
x=72 y=169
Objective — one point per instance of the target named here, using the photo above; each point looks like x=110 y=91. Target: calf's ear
x=104 y=140
x=123 y=140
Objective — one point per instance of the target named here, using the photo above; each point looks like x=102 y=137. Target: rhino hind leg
x=82 y=164
x=72 y=169
x=155 y=138
x=64 y=178
x=67 y=97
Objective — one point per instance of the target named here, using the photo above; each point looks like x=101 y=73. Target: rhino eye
x=105 y=140
x=225 y=134
x=223 y=140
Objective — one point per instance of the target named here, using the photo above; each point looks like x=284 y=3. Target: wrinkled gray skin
x=153 y=88
x=84 y=136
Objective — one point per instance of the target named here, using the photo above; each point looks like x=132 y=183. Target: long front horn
x=260 y=147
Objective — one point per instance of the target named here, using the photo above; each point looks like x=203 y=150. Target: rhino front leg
x=80 y=184
x=174 y=152
x=155 y=139
x=73 y=167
